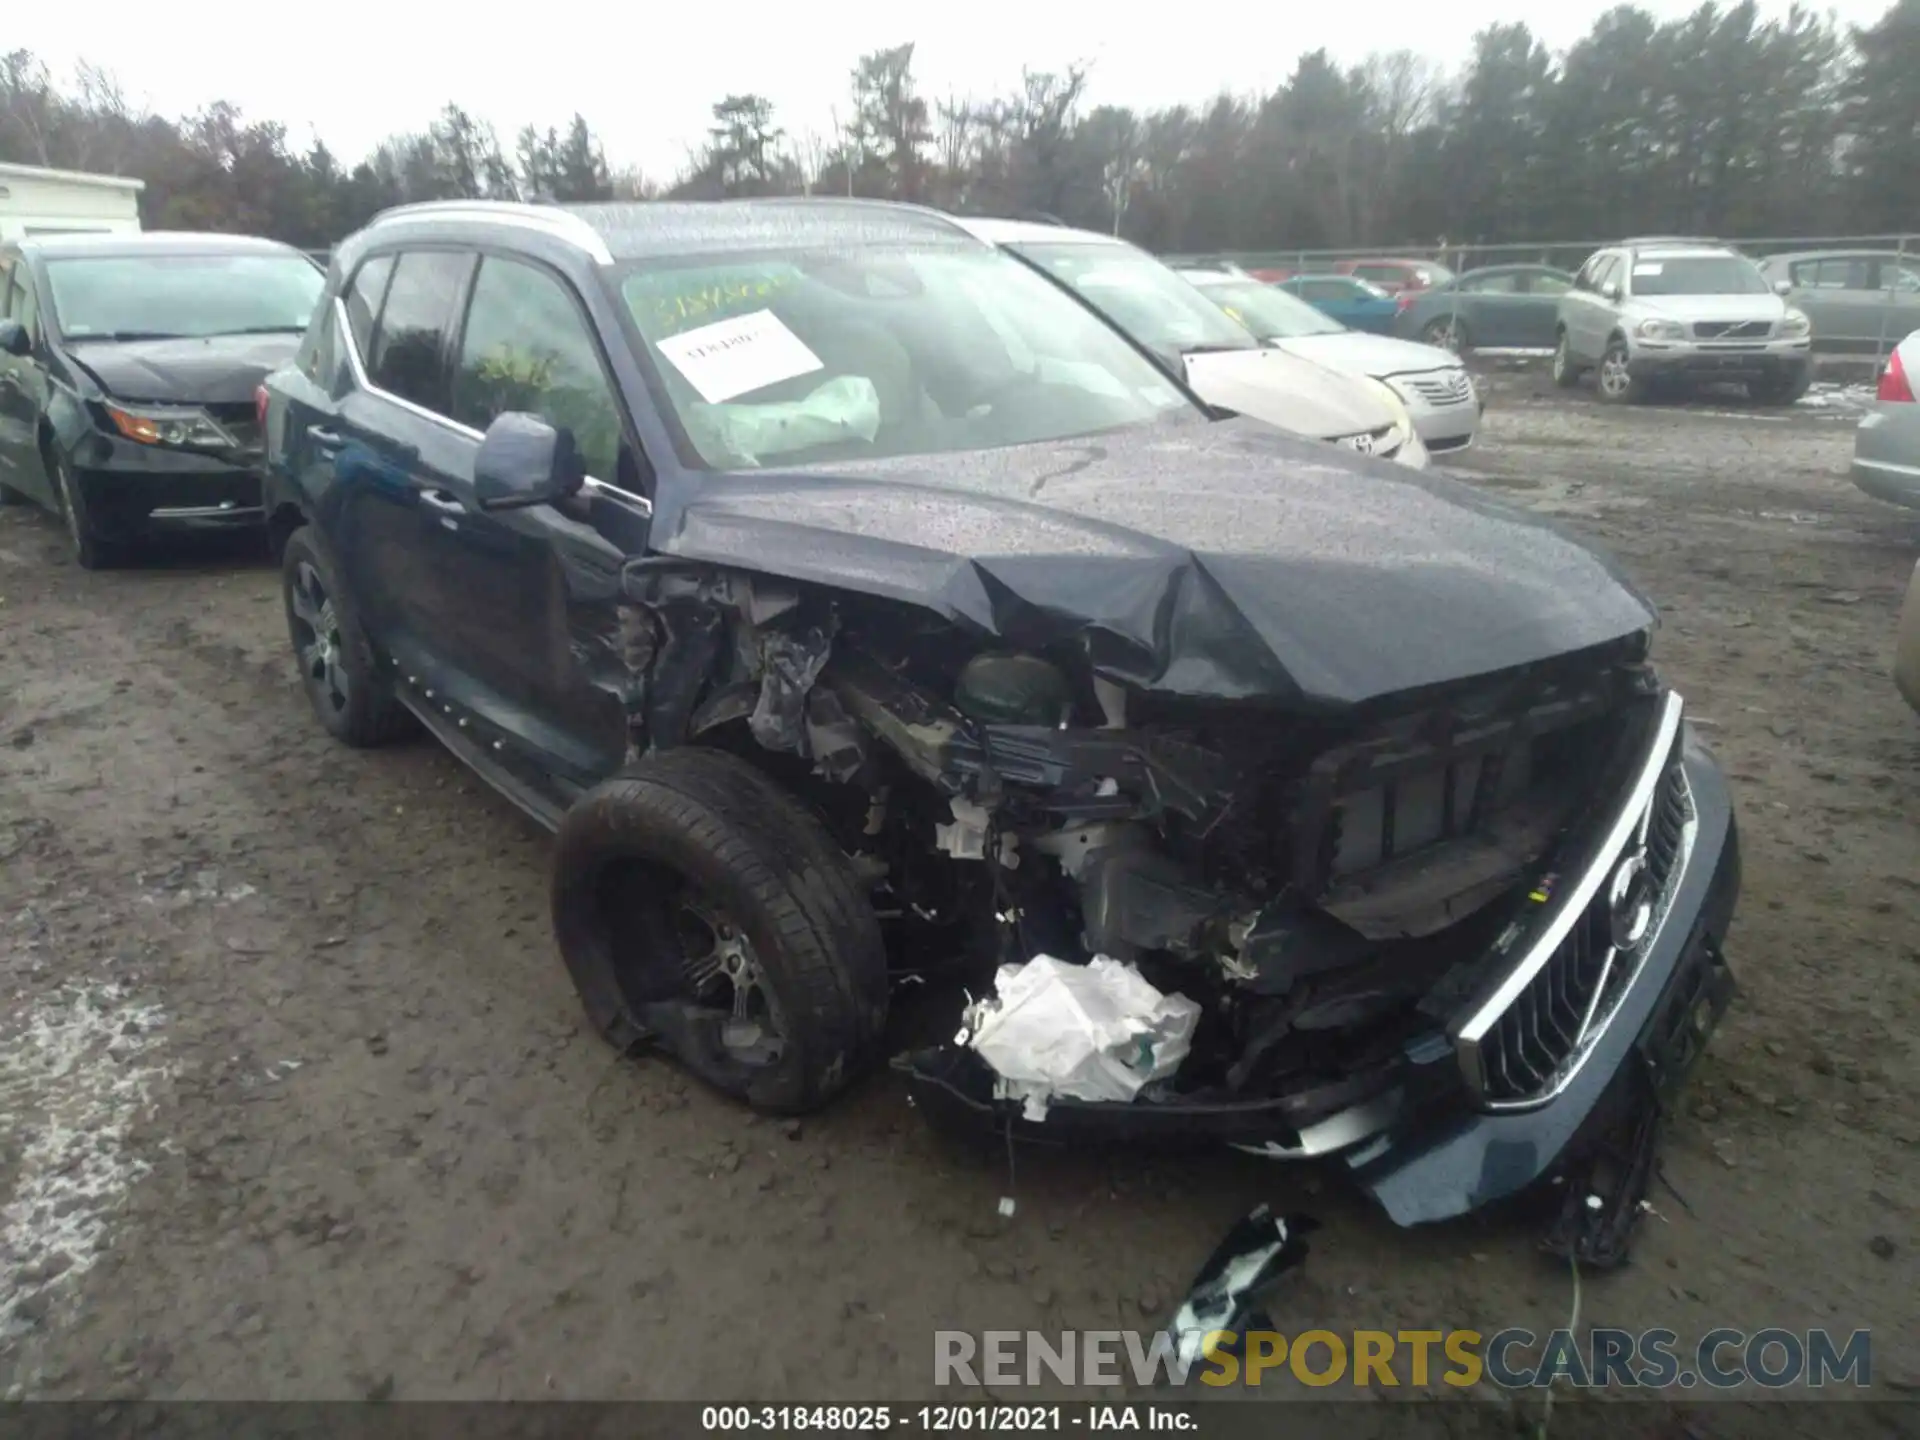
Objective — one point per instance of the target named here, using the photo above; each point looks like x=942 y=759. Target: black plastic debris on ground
x=1229 y=1292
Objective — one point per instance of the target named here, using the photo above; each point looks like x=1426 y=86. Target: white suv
x=1647 y=313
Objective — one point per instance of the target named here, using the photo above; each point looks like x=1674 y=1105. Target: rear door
x=1896 y=300
x=1493 y=307
x=1534 y=320
x=1838 y=295
x=398 y=452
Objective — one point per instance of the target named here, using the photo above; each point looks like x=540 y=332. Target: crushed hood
x=1285 y=390
x=217 y=370
x=1226 y=560
x=1357 y=352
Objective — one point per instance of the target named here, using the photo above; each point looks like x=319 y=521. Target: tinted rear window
x=411 y=336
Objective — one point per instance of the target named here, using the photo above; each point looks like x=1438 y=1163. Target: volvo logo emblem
x=1630 y=902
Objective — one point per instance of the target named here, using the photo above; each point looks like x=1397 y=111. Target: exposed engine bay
x=1326 y=887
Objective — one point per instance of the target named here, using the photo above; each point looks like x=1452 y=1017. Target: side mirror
x=523 y=462
x=1610 y=291
x=1783 y=287
x=14 y=339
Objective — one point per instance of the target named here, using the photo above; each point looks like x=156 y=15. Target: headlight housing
x=184 y=427
x=1660 y=330
x=1795 y=324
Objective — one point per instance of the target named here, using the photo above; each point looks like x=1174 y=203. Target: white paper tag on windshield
x=1653 y=268
x=738 y=356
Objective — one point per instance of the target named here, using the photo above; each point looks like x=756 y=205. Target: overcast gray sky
x=356 y=71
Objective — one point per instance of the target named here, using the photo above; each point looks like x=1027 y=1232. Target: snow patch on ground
x=1848 y=399
x=77 y=1067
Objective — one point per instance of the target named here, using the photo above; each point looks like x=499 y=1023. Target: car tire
x=690 y=871
x=338 y=668
x=1780 y=389
x=1449 y=333
x=90 y=550
x=1566 y=370
x=1617 y=383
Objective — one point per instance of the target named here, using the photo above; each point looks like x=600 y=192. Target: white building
x=65 y=202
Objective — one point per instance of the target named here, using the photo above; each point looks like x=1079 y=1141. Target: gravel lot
x=296 y=1100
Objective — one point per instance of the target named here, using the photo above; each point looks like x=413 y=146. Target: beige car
x=1906 y=645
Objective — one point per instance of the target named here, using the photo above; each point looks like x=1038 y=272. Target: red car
x=1395 y=276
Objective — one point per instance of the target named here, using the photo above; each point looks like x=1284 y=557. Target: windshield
x=1143 y=297
x=1269 y=313
x=872 y=351
x=165 y=297
x=1698 y=275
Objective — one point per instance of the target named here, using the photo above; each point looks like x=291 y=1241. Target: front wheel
x=1618 y=384
x=1781 y=388
x=1566 y=371
x=90 y=551
x=702 y=909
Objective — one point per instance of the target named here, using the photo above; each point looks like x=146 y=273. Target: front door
x=23 y=390
x=522 y=602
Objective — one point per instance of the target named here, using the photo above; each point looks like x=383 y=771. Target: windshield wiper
x=268 y=330
x=125 y=335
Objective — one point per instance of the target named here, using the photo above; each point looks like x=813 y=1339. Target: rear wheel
x=696 y=898
x=1566 y=371
x=1618 y=385
x=338 y=668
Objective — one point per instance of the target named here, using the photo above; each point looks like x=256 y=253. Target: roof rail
x=551 y=219
x=1672 y=240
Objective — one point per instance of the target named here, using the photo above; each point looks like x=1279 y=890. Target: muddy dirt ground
x=296 y=1101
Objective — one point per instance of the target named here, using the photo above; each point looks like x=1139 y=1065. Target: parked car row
x=1854 y=299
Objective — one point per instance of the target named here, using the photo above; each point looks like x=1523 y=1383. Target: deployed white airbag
x=1081 y=1032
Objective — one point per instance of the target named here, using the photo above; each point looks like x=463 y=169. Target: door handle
x=327 y=440
x=442 y=501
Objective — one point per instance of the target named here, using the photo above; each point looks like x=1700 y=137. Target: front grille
x=1440 y=387
x=1732 y=329
x=1549 y=1025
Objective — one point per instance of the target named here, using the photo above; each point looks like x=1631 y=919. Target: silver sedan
x=1886 y=449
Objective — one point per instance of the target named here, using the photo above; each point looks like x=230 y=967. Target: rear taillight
x=1894 y=385
x=260 y=406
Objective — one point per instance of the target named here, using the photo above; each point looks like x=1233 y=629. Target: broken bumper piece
x=1413 y=1132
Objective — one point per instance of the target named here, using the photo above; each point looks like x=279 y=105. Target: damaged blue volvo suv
x=855 y=604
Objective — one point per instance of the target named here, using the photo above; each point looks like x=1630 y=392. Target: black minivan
x=858 y=606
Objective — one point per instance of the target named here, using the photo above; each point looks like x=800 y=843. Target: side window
x=411 y=336
x=1902 y=278
x=363 y=299
x=526 y=346
x=1836 y=273
x=1608 y=272
x=25 y=305
x=1543 y=282
x=1325 y=289
x=6 y=291
x=319 y=358
x=1507 y=283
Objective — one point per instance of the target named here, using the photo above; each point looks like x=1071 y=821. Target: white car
x=1221 y=362
x=1431 y=382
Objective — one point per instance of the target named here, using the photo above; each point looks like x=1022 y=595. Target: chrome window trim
x=1632 y=814
x=361 y=382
